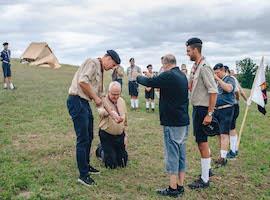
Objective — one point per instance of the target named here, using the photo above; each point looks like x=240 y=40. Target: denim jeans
x=82 y=117
x=175 y=148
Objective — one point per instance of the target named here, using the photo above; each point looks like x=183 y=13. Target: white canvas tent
x=40 y=54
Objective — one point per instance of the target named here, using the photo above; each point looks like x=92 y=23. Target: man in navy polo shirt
x=224 y=109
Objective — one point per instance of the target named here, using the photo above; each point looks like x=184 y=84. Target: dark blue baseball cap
x=114 y=56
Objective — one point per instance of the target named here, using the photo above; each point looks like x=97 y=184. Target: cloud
x=142 y=29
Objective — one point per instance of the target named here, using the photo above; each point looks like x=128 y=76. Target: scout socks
x=205 y=166
x=233 y=143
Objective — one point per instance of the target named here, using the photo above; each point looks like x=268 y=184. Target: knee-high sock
x=153 y=105
x=132 y=103
x=147 y=104
x=233 y=143
x=205 y=163
x=136 y=103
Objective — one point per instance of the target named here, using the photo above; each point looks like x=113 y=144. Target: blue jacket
x=5 y=56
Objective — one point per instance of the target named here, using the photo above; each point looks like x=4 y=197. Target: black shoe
x=231 y=155
x=92 y=170
x=180 y=189
x=211 y=173
x=153 y=110
x=169 y=192
x=147 y=109
x=87 y=181
x=221 y=162
x=198 y=184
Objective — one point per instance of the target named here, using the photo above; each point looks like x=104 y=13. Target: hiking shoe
x=198 y=184
x=180 y=189
x=87 y=181
x=231 y=155
x=92 y=170
x=170 y=192
x=221 y=162
x=211 y=173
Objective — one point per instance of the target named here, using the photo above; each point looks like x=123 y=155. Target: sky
x=146 y=30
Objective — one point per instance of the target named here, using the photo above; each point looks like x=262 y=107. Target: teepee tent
x=40 y=54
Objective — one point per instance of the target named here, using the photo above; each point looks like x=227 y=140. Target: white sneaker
x=5 y=86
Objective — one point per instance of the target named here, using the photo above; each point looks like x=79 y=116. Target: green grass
x=37 y=142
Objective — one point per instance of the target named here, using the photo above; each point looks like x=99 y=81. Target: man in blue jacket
x=5 y=58
x=173 y=110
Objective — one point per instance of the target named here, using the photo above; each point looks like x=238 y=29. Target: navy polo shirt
x=225 y=98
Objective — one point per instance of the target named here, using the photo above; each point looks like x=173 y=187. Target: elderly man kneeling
x=113 y=136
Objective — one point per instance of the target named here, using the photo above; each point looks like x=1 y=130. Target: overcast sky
x=75 y=30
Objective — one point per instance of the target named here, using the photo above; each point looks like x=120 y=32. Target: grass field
x=37 y=143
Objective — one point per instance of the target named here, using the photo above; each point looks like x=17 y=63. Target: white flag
x=257 y=94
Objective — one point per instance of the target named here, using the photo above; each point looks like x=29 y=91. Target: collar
x=199 y=61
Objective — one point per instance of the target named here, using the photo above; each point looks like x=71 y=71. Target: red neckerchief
x=194 y=69
x=197 y=65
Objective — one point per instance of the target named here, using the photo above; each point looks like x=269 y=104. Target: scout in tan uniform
x=87 y=85
x=203 y=98
x=133 y=87
x=113 y=136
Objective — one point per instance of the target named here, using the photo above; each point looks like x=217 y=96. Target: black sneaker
x=87 y=181
x=211 y=173
x=169 y=192
x=147 y=109
x=153 y=110
x=221 y=162
x=231 y=155
x=92 y=170
x=198 y=184
x=180 y=189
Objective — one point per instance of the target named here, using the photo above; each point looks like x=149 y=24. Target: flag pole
x=248 y=104
x=242 y=126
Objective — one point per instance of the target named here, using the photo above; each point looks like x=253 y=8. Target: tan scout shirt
x=202 y=83
x=130 y=72
x=107 y=123
x=89 y=72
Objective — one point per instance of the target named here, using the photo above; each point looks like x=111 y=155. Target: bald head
x=114 y=91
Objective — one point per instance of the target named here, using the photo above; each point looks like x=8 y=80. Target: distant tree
x=246 y=70
x=267 y=74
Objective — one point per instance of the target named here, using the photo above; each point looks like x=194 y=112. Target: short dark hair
x=197 y=46
x=131 y=59
x=149 y=66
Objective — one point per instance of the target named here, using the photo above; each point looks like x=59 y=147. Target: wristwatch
x=210 y=114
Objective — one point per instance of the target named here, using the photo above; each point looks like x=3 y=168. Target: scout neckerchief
x=102 y=72
x=194 y=69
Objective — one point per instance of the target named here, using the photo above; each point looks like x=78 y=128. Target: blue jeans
x=175 y=148
x=82 y=117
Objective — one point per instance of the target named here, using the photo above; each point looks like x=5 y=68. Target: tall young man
x=203 y=98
